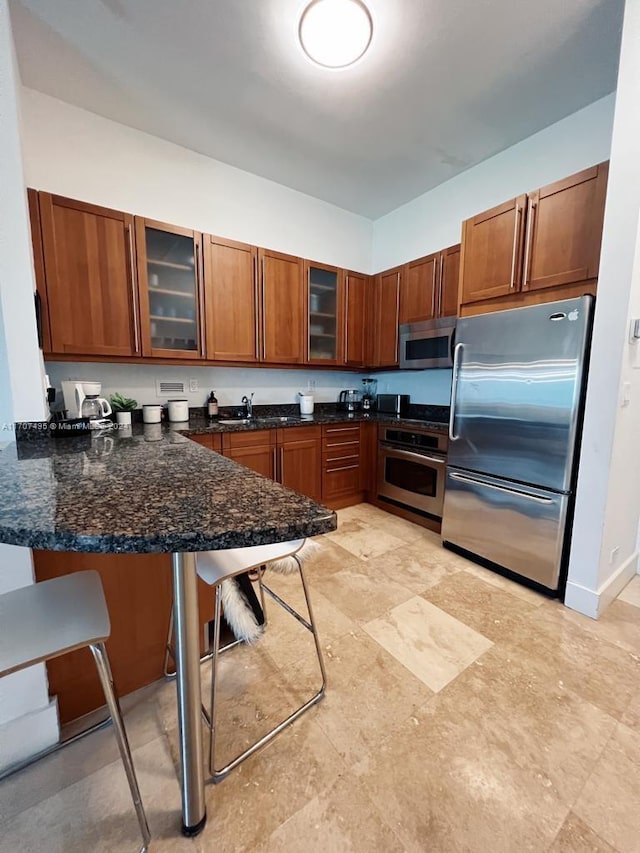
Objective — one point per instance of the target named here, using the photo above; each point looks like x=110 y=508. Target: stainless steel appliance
x=516 y=407
x=393 y=404
x=411 y=468
x=349 y=400
x=427 y=344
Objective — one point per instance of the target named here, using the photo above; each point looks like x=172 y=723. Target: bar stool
x=213 y=568
x=49 y=619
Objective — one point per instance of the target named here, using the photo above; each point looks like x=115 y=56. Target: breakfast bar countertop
x=119 y=492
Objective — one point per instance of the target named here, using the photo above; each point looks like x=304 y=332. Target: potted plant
x=123 y=406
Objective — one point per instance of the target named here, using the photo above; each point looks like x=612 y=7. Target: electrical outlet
x=311 y=385
x=193 y=385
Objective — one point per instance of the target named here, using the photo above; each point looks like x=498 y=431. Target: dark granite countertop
x=120 y=492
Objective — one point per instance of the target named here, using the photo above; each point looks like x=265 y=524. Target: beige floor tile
x=619 y=624
x=361 y=592
x=378 y=519
x=631 y=716
x=368 y=693
x=61 y=769
x=433 y=645
x=417 y=566
x=482 y=606
x=599 y=671
x=631 y=593
x=540 y=726
x=97 y=813
x=331 y=558
x=270 y=787
x=517 y=589
x=576 y=837
x=362 y=539
x=441 y=785
x=610 y=801
x=339 y=819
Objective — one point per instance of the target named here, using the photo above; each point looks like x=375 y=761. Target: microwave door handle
x=454 y=389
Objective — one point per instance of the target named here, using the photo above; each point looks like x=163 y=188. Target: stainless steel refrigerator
x=516 y=405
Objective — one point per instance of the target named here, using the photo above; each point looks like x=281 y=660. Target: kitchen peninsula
x=122 y=494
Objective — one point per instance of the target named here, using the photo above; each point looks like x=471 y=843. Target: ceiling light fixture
x=335 y=33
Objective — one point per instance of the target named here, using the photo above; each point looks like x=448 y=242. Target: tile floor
x=464 y=713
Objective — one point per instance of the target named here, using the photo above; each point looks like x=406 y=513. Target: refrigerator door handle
x=454 y=388
x=464 y=479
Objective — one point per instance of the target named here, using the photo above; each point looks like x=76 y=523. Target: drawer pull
x=343 y=468
x=341 y=443
x=341 y=458
x=342 y=429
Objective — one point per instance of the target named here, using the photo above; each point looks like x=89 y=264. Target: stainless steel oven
x=427 y=344
x=412 y=468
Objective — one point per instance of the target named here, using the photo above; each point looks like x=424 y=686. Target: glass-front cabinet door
x=170 y=287
x=325 y=314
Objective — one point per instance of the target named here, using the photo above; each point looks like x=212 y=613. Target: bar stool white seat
x=49 y=619
x=213 y=568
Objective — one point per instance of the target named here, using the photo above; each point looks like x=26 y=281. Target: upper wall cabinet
x=429 y=286
x=89 y=267
x=282 y=308
x=547 y=239
x=232 y=314
x=356 y=291
x=325 y=313
x=387 y=291
x=170 y=288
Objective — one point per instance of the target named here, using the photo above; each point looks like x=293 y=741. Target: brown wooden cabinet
x=419 y=290
x=538 y=247
x=449 y=281
x=343 y=461
x=385 y=318
x=255 y=450
x=210 y=440
x=89 y=261
x=42 y=304
x=170 y=290
x=356 y=288
x=299 y=460
x=283 y=308
x=325 y=313
x=231 y=301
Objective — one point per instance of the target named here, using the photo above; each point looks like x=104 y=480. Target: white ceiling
x=445 y=84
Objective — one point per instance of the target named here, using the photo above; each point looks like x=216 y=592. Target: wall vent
x=165 y=388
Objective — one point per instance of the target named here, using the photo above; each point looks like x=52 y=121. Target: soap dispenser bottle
x=212 y=405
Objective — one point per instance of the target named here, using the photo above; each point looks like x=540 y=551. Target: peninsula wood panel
x=283 y=308
x=449 y=281
x=419 y=290
x=89 y=272
x=138 y=592
x=355 y=352
x=231 y=300
x=564 y=230
x=491 y=252
x=300 y=466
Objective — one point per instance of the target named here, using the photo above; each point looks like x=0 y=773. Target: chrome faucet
x=247 y=402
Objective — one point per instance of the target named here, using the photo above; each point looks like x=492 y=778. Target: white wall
x=423 y=386
x=433 y=220
x=608 y=505
x=28 y=721
x=76 y=153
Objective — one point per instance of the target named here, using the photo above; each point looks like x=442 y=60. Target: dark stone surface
x=127 y=492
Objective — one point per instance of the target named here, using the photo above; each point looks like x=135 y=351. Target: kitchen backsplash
x=232 y=383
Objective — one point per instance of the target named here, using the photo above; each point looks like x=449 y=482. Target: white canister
x=178 y=410
x=151 y=413
x=306 y=403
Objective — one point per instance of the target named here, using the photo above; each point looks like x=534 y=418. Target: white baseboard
x=28 y=735
x=593 y=603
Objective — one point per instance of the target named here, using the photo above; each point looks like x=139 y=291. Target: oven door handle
x=421 y=456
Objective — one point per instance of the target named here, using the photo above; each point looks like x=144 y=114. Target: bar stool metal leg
x=104 y=671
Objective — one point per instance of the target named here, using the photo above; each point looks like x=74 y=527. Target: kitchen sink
x=278 y=420
x=233 y=421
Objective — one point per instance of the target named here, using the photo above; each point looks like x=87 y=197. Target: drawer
x=341 y=480
x=212 y=441
x=298 y=433
x=250 y=438
x=340 y=436
x=337 y=459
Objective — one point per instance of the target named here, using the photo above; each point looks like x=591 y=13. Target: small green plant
x=123 y=404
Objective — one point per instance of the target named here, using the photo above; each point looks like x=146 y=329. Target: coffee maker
x=369 y=394
x=349 y=400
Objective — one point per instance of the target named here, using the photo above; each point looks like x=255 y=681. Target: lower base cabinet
x=343 y=477
x=299 y=460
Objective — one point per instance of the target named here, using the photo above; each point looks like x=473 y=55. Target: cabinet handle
x=264 y=316
x=281 y=472
x=275 y=464
x=342 y=443
x=346 y=319
x=200 y=299
x=512 y=282
x=256 y=306
x=341 y=458
x=433 y=288
x=531 y=215
x=397 y=315
x=136 y=338
x=333 y=430
x=441 y=285
x=343 y=468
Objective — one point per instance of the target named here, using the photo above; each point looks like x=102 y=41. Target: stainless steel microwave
x=427 y=344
